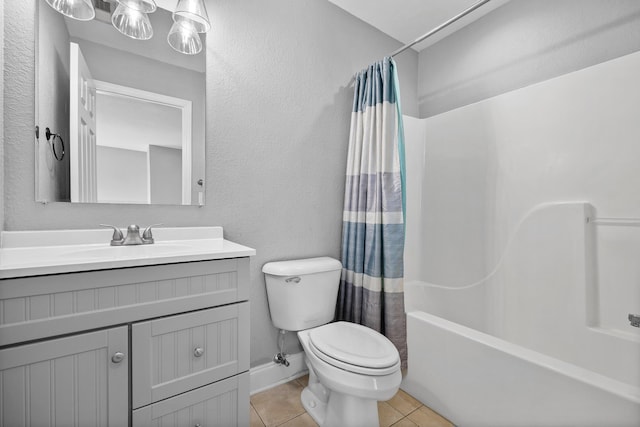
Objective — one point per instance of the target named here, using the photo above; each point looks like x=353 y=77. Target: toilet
x=351 y=367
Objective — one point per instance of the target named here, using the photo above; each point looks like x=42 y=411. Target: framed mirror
x=118 y=120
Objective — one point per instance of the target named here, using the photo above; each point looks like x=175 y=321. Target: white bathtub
x=527 y=345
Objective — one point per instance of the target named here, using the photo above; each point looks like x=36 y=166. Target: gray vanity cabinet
x=80 y=380
x=175 y=354
x=223 y=403
x=152 y=345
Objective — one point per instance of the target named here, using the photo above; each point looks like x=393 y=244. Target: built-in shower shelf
x=628 y=222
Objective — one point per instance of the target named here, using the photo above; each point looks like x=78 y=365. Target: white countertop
x=36 y=253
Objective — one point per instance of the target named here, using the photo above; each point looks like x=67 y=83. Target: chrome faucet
x=133 y=235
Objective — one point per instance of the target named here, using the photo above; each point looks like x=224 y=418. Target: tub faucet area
x=133 y=235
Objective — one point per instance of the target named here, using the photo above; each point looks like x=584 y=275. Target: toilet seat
x=354 y=348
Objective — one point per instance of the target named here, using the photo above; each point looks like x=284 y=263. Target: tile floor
x=281 y=406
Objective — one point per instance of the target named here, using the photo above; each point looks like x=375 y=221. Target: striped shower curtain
x=371 y=286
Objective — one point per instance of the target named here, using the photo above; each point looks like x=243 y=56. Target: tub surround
x=475 y=379
x=526 y=296
x=152 y=333
x=532 y=321
x=35 y=253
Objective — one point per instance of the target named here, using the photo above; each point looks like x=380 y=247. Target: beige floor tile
x=405 y=422
x=303 y=380
x=303 y=420
x=387 y=415
x=425 y=417
x=255 y=418
x=404 y=403
x=279 y=404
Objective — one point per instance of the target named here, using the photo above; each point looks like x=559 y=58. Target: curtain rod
x=440 y=27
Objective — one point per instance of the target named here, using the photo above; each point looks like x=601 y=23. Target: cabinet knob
x=117 y=357
x=197 y=425
x=198 y=351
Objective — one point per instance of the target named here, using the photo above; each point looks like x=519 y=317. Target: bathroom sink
x=134 y=251
x=30 y=253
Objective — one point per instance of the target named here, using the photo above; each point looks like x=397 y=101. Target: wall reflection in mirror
x=130 y=113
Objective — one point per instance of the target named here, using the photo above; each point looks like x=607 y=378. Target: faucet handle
x=147 y=237
x=117 y=237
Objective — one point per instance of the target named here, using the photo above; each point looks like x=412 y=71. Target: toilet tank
x=302 y=293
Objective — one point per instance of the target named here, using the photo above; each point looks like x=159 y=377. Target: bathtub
x=529 y=345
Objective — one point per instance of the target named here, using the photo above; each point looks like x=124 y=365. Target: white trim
x=185 y=107
x=270 y=374
x=143 y=95
x=186 y=154
x=384 y=218
x=374 y=284
x=148 y=175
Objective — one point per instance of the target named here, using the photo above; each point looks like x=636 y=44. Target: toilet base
x=314 y=406
x=341 y=410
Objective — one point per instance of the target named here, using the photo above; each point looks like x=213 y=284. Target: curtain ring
x=51 y=138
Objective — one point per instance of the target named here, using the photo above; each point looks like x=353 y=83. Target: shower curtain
x=371 y=286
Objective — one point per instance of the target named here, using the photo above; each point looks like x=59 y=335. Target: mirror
x=118 y=120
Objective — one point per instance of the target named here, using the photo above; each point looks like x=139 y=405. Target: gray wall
x=2 y=110
x=279 y=95
x=165 y=175
x=521 y=43
x=122 y=175
x=52 y=86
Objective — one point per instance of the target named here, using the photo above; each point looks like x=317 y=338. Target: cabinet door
x=175 y=354
x=222 y=404
x=68 y=381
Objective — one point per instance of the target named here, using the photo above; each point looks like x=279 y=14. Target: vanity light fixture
x=195 y=11
x=132 y=22
x=184 y=37
x=189 y=18
x=144 y=6
x=130 y=18
x=81 y=10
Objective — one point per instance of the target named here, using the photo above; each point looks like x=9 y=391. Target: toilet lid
x=354 y=348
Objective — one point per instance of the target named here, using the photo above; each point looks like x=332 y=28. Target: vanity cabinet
x=150 y=345
x=173 y=355
x=219 y=404
x=81 y=380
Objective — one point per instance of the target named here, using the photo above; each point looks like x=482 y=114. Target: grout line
x=258 y=414
x=299 y=384
x=290 y=419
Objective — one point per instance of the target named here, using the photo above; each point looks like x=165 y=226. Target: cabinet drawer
x=175 y=354
x=40 y=307
x=222 y=404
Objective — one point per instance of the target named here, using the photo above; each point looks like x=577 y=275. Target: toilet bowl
x=351 y=367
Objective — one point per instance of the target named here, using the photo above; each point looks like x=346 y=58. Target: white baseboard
x=270 y=374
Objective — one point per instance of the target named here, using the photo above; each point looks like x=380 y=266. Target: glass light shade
x=183 y=37
x=145 y=6
x=132 y=23
x=82 y=10
x=195 y=11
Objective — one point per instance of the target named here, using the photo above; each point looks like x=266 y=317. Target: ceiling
x=406 y=20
